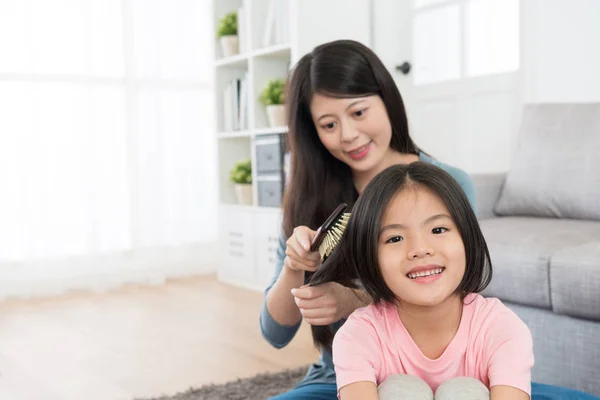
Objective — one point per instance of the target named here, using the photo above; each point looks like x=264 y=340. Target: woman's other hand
x=325 y=304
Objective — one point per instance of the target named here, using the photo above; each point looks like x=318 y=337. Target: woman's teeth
x=425 y=273
x=359 y=149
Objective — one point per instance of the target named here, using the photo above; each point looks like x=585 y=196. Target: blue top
x=280 y=335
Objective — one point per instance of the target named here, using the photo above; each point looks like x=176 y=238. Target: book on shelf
x=277 y=23
x=242 y=15
x=235 y=104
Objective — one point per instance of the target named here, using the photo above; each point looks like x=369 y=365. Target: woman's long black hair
x=356 y=256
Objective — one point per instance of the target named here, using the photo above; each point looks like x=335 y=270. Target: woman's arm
x=280 y=317
x=501 y=392
x=279 y=300
x=359 y=391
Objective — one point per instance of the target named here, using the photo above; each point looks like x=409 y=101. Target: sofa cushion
x=575 y=281
x=521 y=248
x=566 y=350
x=555 y=172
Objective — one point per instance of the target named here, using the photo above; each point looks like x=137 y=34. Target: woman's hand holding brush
x=299 y=257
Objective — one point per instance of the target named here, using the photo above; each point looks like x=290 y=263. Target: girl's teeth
x=425 y=273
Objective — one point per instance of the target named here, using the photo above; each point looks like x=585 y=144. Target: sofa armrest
x=487 y=189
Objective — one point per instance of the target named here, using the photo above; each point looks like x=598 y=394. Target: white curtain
x=107 y=151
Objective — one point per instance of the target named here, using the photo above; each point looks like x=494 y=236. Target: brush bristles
x=333 y=236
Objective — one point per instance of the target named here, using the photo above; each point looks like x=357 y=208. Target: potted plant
x=241 y=176
x=227 y=32
x=272 y=98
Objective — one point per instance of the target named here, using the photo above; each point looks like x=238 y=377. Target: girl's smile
x=425 y=273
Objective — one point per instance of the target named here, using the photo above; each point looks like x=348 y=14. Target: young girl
x=347 y=123
x=414 y=243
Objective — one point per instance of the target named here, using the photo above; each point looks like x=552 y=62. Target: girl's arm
x=357 y=356
x=501 y=392
x=509 y=354
x=359 y=391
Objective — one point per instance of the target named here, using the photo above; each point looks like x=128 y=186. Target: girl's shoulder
x=373 y=315
x=489 y=313
x=484 y=307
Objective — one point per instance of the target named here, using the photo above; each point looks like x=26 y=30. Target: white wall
x=327 y=20
x=559 y=62
x=561 y=50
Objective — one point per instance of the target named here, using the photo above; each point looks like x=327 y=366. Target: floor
x=137 y=342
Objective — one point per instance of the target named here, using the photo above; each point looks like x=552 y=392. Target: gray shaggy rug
x=259 y=387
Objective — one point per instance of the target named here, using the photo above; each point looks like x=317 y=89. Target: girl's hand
x=324 y=304
x=298 y=254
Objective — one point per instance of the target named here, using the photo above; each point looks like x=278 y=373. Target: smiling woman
x=357 y=132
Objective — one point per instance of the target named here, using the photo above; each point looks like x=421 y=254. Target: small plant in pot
x=272 y=98
x=241 y=176
x=227 y=32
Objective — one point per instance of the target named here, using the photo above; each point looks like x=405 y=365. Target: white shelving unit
x=249 y=234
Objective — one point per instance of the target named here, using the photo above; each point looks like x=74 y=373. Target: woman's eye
x=329 y=126
x=360 y=113
x=394 y=239
x=439 y=230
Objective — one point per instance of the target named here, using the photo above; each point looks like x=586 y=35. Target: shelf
x=277 y=51
x=272 y=210
x=256 y=132
x=271 y=131
x=238 y=61
x=239 y=207
x=234 y=134
x=241 y=60
x=243 y=207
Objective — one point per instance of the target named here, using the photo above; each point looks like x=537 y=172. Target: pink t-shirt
x=492 y=345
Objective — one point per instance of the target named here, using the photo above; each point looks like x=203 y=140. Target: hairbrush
x=330 y=233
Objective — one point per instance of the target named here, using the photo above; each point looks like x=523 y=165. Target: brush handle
x=329 y=222
x=318 y=239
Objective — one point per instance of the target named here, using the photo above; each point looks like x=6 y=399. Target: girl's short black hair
x=356 y=256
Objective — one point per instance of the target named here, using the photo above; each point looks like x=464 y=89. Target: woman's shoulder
x=463 y=178
x=457 y=173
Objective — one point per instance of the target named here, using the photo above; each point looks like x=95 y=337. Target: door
x=456 y=63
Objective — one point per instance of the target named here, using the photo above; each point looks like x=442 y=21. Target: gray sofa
x=541 y=221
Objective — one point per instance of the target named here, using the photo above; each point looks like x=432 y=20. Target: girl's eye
x=329 y=126
x=360 y=113
x=439 y=230
x=394 y=239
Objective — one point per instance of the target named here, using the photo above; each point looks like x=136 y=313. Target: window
x=455 y=39
x=106 y=135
